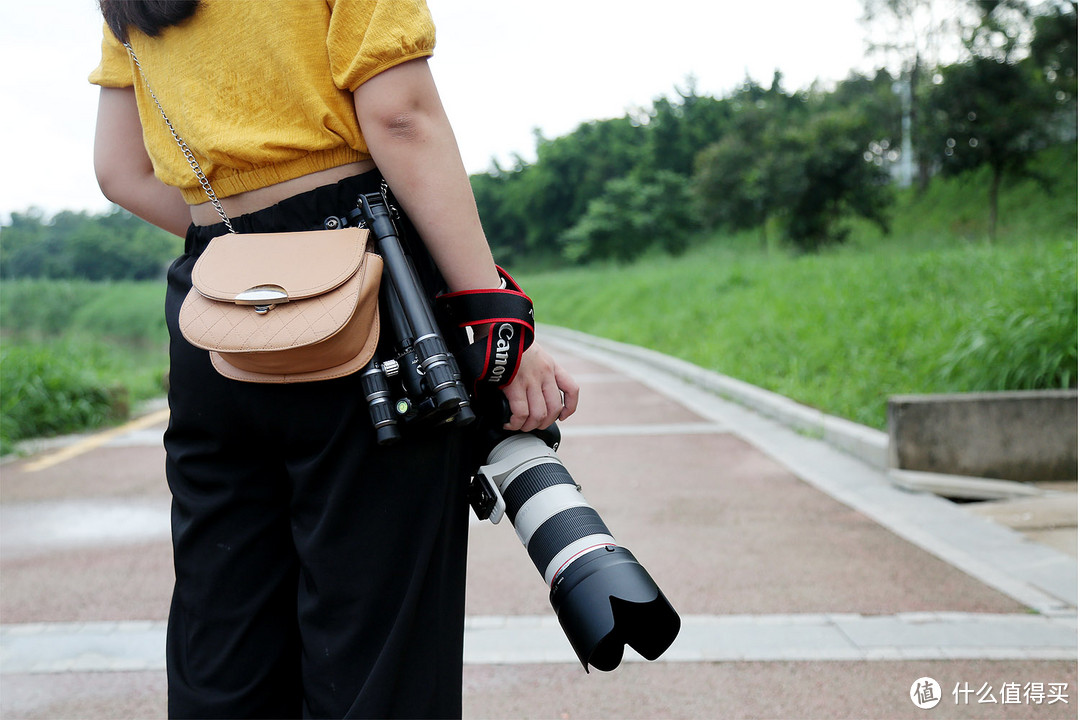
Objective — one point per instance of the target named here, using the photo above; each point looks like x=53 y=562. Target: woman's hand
x=541 y=392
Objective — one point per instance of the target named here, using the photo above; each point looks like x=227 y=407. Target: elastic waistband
x=230 y=181
x=305 y=211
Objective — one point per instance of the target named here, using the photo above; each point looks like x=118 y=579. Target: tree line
x=805 y=161
x=802 y=162
x=114 y=245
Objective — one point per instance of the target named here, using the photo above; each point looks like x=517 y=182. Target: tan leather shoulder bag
x=285 y=307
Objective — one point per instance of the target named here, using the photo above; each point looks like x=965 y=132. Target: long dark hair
x=149 y=16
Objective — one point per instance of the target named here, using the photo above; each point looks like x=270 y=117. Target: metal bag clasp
x=262 y=297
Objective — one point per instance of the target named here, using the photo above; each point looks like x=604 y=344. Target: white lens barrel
x=549 y=514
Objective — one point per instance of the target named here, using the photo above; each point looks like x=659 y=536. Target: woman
x=317 y=574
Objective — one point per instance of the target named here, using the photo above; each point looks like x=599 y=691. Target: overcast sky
x=504 y=67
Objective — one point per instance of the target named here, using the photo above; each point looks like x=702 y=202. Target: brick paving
x=808 y=585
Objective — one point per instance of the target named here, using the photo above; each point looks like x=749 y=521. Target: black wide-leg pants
x=317 y=573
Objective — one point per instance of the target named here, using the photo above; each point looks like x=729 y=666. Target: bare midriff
x=255 y=200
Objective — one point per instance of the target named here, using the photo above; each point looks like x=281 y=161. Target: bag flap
x=302 y=264
x=228 y=328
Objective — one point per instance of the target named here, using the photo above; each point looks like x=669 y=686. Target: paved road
x=808 y=585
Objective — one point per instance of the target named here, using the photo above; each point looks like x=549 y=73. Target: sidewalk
x=809 y=586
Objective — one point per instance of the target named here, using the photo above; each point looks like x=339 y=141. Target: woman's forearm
x=411 y=141
x=153 y=201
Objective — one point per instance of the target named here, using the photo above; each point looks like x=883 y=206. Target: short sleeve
x=369 y=36
x=114 y=70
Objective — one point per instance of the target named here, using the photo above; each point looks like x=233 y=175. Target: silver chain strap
x=190 y=156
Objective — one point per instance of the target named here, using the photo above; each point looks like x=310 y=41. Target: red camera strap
x=509 y=311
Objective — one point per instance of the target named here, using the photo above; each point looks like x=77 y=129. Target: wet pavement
x=808 y=584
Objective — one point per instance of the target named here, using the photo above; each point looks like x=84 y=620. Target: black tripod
x=428 y=371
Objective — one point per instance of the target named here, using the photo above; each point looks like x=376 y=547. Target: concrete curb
x=962 y=486
x=1020 y=435
x=869 y=445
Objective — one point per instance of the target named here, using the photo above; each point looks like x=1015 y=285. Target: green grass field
x=843 y=330
x=76 y=355
x=933 y=307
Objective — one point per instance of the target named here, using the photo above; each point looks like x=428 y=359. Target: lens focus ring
x=532 y=481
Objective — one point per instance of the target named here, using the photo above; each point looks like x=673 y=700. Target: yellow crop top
x=261 y=90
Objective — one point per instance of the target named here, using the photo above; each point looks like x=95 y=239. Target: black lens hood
x=605 y=600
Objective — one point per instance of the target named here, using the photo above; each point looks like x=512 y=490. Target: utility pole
x=907 y=155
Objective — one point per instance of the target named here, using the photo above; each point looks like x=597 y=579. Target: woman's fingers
x=541 y=393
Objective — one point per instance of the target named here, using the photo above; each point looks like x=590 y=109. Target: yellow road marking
x=96 y=441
